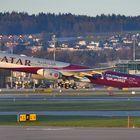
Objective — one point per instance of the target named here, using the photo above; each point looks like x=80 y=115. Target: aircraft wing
x=84 y=72
x=79 y=73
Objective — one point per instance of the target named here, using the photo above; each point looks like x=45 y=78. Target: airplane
x=63 y=72
x=115 y=79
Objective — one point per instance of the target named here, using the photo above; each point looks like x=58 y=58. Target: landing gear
x=67 y=84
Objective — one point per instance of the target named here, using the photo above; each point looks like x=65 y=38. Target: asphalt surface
x=28 y=97
x=67 y=98
x=67 y=133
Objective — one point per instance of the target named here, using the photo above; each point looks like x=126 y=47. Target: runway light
x=133 y=92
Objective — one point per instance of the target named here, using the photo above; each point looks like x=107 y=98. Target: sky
x=77 y=7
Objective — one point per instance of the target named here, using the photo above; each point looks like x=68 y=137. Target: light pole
x=134 y=52
x=134 y=47
x=11 y=52
x=54 y=43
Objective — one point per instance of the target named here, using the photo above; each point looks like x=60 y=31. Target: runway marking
x=47 y=129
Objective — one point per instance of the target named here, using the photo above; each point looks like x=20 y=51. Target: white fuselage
x=16 y=61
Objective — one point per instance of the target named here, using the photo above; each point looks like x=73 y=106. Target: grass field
x=69 y=105
x=74 y=121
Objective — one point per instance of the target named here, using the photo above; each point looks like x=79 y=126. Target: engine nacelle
x=49 y=74
x=84 y=79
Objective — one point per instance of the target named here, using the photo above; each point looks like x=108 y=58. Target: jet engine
x=49 y=74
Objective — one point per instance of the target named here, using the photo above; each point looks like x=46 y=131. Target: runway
x=67 y=133
x=36 y=98
x=67 y=98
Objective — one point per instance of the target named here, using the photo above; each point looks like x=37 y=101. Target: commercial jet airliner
x=55 y=70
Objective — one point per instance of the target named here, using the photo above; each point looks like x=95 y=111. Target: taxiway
x=67 y=133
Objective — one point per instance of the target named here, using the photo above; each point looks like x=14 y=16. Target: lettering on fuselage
x=132 y=80
x=116 y=78
x=15 y=60
x=49 y=63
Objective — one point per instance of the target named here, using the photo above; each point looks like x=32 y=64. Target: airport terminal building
x=3 y=77
x=128 y=66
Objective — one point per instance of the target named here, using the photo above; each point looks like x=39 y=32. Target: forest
x=65 y=24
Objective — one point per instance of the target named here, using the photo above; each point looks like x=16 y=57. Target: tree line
x=65 y=24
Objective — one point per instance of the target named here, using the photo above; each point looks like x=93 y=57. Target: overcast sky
x=78 y=7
